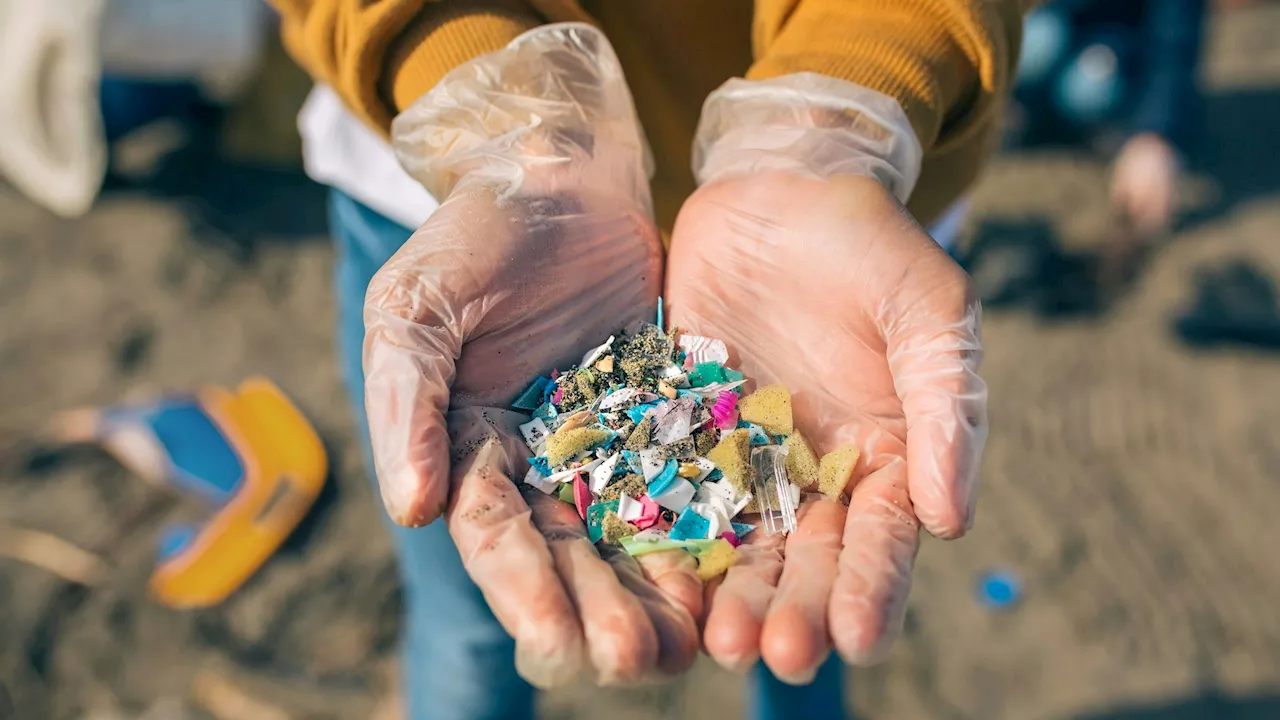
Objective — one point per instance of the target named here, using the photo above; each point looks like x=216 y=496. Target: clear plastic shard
x=773 y=489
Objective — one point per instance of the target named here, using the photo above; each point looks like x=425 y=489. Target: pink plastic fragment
x=731 y=537
x=581 y=495
x=725 y=410
x=649 y=513
x=688 y=363
x=555 y=399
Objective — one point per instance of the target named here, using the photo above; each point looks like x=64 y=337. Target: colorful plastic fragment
x=725 y=410
x=802 y=463
x=733 y=458
x=835 y=470
x=581 y=496
x=650 y=440
x=716 y=560
x=770 y=408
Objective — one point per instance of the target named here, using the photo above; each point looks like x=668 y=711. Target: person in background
x=771 y=149
x=1116 y=74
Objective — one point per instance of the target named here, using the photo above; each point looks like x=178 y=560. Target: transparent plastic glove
x=543 y=246
x=808 y=267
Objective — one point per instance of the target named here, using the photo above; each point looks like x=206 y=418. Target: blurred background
x=1122 y=566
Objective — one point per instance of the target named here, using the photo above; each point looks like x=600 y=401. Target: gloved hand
x=544 y=245
x=1144 y=182
x=796 y=252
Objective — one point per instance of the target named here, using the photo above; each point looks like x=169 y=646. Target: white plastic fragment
x=616 y=398
x=567 y=475
x=677 y=496
x=704 y=349
x=535 y=434
x=601 y=474
x=629 y=508
x=705 y=468
x=795 y=495
x=651 y=463
x=652 y=534
x=714 y=389
x=721 y=493
x=536 y=479
x=595 y=353
x=674 y=421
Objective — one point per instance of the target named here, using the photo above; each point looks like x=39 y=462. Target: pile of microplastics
x=650 y=439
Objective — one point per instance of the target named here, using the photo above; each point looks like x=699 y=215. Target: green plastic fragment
x=706 y=374
x=566 y=493
x=644 y=547
x=595 y=517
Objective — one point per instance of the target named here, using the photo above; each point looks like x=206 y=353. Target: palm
x=485 y=296
x=815 y=284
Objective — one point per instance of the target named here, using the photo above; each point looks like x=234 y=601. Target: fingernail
x=548 y=669
x=803 y=678
x=739 y=663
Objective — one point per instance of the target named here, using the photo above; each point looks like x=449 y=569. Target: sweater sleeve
x=949 y=64
x=381 y=55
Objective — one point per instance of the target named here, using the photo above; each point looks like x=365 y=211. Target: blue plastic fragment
x=662 y=482
x=999 y=590
x=632 y=459
x=548 y=391
x=540 y=464
x=741 y=529
x=689 y=393
x=659 y=323
x=546 y=411
x=531 y=398
x=637 y=413
x=690 y=526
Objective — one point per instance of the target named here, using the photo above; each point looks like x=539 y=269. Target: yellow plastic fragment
x=605 y=364
x=732 y=455
x=566 y=444
x=688 y=470
x=770 y=408
x=716 y=560
x=835 y=469
x=802 y=463
x=665 y=390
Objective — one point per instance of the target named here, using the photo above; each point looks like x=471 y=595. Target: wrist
x=806 y=124
x=549 y=111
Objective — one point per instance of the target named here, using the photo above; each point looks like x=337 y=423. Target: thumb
x=408 y=368
x=934 y=346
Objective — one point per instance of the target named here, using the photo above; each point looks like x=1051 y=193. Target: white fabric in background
x=340 y=151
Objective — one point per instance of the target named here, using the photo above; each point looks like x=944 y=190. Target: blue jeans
x=458 y=661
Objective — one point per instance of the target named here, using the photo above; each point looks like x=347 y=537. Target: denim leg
x=458 y=662
x=822 y=699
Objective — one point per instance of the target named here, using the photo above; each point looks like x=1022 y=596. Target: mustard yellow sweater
x=948 y=62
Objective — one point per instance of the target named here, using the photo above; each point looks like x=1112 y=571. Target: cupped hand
x=487 y=295
x=544 y=246
x=829 y=287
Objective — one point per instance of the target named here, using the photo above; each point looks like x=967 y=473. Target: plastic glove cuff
x=807 y=123
x=550 y=110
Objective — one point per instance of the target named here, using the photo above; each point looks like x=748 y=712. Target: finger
x=934 y=349
x=736 y=606
x=506 y=555
x=621 y=642
x=881 y=537
x=676 y=628
x=794 y=642
x=675 y=573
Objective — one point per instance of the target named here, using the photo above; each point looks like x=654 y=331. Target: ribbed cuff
x=906 y=49
x=441 y=40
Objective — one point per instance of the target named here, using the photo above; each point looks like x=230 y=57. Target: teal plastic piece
x=595 y=518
